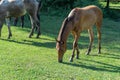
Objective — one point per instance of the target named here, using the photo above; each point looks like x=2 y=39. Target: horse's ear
x=56 y=40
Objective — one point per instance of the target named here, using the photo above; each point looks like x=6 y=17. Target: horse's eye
x=61 y=42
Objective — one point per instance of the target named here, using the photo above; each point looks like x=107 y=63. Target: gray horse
x=16 y=8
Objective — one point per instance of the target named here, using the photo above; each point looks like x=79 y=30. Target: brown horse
x=78 y=20
x=16 y=8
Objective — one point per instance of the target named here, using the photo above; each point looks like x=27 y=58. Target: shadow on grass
x=50 y=44
x=100 y=67
x=113 y=56
x=33 y=43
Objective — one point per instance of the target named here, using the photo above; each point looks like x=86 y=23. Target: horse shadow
x=100 y=67
x=113 y=56
x=50 y=44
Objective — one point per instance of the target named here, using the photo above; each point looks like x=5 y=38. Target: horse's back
x=97 y=11
x=16 y=8
x=98 y=14
x=86 y=17
x=92 y=12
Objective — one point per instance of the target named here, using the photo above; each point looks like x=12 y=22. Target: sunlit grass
x=112 y=5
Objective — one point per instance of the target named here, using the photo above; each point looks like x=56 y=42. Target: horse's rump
x=86 y=17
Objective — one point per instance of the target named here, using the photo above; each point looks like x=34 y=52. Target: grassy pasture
x=23 y=58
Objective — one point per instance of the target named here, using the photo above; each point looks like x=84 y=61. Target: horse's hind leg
x=9 y=30
x=33 y=26
x=75 y=47
x=38 y=28
x=22 y=21
x=35 y=23
x=15 y=21
x=1 y=25
x=91 y=36
x=99 y=38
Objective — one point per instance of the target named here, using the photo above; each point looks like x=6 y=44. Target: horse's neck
x=64 y=33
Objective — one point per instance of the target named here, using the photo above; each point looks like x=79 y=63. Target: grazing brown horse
x=78 y=20
x=16 y=8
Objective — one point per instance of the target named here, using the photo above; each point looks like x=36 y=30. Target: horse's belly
x=16 y=10
x=86 y=26
x=88 y=23
x=17 y=13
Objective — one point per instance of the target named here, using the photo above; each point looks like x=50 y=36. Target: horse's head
x=62 y=37
x=61 y=48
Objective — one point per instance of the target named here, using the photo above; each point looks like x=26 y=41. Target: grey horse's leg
x=33 y=27
x=22 y=21
x=34 y=19
x=1 y=24
x=35 y=23
x=9 y=30
x=15 y=21
x=38 y=29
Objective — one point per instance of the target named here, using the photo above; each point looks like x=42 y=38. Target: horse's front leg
x=32 y=31
x=33 y=26
x=75 y=47
x=38 y=29
x=91 y=36
x=77 y=56
x=73 y=54
x=9 y=30
x=1 y=25
x=1 y=28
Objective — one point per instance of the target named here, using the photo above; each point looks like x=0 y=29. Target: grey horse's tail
x=39 y=7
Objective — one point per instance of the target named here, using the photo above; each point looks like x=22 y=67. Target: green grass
x=23 y=58
x=112 y=5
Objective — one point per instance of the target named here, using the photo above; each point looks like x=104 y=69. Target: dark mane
x=66 y=20
x=63 y=27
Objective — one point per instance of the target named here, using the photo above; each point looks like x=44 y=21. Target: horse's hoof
x=87 y=53
x=77 y=57
x=8 y=38
x=37 y=37
x=11 y=35
x=99 y=52
x=71 y=60
x=60 y=61
x=30 y=36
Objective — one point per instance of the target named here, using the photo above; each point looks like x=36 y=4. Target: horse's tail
x=39 y=7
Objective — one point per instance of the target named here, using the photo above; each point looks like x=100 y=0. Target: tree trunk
x=107 y=5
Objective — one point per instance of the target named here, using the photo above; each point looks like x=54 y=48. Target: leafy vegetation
x=23 y=58
x=55 y=7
